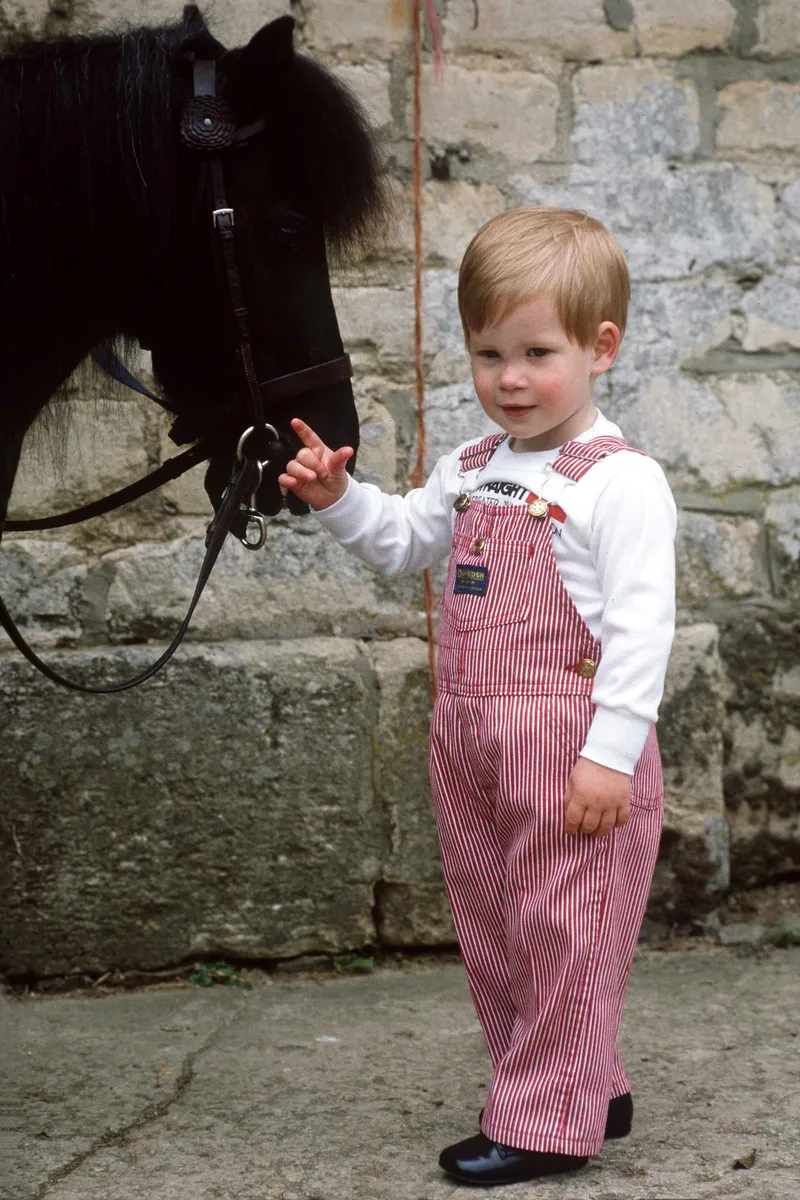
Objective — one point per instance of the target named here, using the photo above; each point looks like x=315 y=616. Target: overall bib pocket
x=484 y=588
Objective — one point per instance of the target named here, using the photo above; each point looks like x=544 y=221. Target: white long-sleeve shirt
x=614 y=551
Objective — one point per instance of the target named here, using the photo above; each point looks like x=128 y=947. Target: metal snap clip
x=478 y=545
x=538 y=508
x=240 y=448
x=258 y=520
x=461 y=502
x=587 y=668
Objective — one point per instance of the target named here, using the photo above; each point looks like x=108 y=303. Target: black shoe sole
x=462 y=1179
x=470 y=1181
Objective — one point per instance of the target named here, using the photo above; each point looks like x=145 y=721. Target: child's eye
x=488 y=354
x=538 y=351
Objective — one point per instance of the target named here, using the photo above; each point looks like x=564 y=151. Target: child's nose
x=512 y=377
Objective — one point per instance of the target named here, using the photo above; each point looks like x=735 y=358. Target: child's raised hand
x=597 y=799
x=317 y=475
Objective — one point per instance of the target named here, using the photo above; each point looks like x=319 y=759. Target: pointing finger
x=308 y=437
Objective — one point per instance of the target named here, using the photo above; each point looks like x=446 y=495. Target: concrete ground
x=346 y=1088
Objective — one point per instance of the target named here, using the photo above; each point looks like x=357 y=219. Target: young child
x=556 y=626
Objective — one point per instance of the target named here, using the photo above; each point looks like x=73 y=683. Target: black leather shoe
x=620 y=1116
x=619 y=1119
x=479 y=1161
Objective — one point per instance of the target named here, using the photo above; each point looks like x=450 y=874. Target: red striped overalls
x=547 y=922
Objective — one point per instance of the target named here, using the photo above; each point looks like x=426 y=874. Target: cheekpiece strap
x=204 y=73
x=478 y=454
x=577 y=458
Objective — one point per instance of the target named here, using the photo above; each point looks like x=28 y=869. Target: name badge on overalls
x=470 y=581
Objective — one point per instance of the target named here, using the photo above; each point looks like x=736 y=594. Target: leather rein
x=208 y=125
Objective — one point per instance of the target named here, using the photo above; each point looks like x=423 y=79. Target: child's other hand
x=597 y=799
x=317 y=475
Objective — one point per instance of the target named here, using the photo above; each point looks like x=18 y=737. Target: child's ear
x=607 y=343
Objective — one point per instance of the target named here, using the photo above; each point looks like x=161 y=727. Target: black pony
x=105 y=236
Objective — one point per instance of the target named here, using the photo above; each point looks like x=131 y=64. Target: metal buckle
x=222 y=212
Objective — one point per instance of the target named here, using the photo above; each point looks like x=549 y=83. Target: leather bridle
x=208 y=125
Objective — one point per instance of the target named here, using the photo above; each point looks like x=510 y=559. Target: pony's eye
x=286 y=237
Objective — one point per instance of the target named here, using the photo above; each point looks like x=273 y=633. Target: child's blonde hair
x=561 y=252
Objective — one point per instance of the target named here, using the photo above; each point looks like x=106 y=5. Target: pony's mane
x=109 y=96
x=340 y=159
x=90 y=116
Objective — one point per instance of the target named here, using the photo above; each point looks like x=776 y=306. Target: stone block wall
x=141 y=830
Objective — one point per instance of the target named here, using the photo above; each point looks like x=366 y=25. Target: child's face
x=532 y=381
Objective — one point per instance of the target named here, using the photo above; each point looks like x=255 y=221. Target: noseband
x=208 y=125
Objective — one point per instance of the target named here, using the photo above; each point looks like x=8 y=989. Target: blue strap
x=104 y=356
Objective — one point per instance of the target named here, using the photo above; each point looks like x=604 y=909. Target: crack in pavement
x=153 y=1112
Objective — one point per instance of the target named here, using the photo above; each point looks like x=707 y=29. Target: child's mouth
x=518 y=410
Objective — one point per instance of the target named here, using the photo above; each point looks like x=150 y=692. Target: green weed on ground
x=212 y=974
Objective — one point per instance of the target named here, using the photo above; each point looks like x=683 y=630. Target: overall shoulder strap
x=478 y=454
x=576 y=458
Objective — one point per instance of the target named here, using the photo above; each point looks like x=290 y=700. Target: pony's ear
x=193 y=19
x=268 y=51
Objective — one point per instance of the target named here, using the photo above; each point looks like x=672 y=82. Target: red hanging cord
x=436 y=40
x=419 y=465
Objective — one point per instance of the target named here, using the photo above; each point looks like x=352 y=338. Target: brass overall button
x=478 y=546
x=461 y=502
x=587 y=668
x=538 y=508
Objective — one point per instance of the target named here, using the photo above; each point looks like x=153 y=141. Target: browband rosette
x=208 y=123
